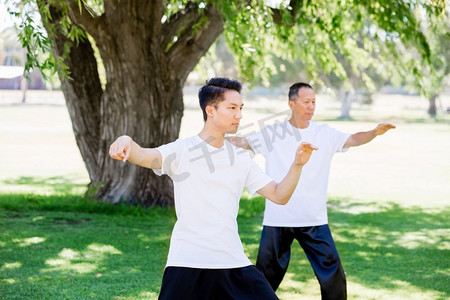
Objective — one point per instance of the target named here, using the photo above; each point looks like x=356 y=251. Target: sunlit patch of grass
x=293 y=289
x=399 y=291
x=9 y=280
x=81 y=261
x=13 y=265
x=146 y=295
x=439 y=238
x=45 y=185
x=29 y=241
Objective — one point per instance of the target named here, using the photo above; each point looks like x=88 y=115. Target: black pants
x=247 y=283
x=275 y=252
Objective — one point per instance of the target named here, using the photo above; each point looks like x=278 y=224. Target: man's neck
x=302 y=124
x=212 y=137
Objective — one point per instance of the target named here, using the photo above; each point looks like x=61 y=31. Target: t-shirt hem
x=208 y=266
x=295 y=224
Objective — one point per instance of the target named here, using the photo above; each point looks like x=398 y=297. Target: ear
x=290 y=103
x=210 y=110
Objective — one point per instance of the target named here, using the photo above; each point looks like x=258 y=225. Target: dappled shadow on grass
x=67 y=255
x=60 y=248
x=56 y=184
x=382 y=246
x=394 y=244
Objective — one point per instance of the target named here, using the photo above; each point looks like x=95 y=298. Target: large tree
x=148 y=48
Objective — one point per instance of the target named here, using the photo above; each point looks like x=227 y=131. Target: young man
x=304 y=218
x=206 y=258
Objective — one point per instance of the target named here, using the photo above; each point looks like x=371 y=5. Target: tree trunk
x=346 y=104
x=24 y=88
x=143 y=98
x=432 y=106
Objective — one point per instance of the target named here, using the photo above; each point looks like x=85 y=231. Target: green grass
x=67 y=247
x=389 y=251
x=56 y=247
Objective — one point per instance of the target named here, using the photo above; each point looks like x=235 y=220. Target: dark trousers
x=275 y=252
x=246 y=283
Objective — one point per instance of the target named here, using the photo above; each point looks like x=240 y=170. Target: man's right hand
x=121 y=148
x=303 y=153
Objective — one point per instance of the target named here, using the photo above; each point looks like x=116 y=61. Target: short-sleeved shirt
x=208 y=184
x=278 y=144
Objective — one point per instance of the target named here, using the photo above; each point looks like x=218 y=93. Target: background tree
x=148 y=48
x=434 y=77
x=349 y=54
x=218 y=61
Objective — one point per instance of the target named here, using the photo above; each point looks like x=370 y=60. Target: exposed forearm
x=125 y=149
x=145 y=157
x=360 y=138
x=137 y=154
x=280 y=193
x=285 y=188
x=364 y=137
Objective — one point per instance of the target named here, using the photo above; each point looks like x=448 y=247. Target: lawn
x=64 y=247
x=389 y=208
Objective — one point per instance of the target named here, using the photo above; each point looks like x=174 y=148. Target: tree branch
x=179 y=21
x=185 y=53
x=277 y=14
x=82 y=18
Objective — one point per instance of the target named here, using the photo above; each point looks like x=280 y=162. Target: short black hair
x=212 y=92
x=293 y=90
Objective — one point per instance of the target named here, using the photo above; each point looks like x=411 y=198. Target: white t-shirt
x=278 y=144
x=208 y=183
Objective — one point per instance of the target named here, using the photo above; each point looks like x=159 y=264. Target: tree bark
x=348 y=95
x=145 y=73
x=346 y=104
x=432 y=110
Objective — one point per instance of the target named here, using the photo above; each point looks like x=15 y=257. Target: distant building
x=12 y=60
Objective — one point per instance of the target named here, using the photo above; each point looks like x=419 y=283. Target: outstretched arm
x=280 y=193
x=124 y=148
x=364 y=137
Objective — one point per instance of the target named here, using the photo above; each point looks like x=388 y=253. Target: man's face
x=227 y=113
x=303 y=107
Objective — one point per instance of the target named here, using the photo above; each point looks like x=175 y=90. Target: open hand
x=303 y=153
x=382 y=128
x=121 y=148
